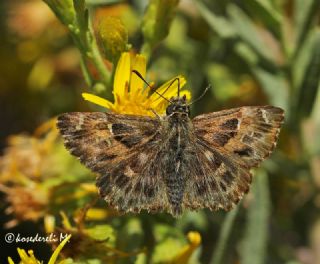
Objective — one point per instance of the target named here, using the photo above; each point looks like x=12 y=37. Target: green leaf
x=169 y=242
x=275 y=86
x=249 y=32
x=310 y=85
x=225 y=86
x=264 y=11
x=103 y=2
x=130 y=237
x=157 y=21
x=101 y=233
x=254 y=248
x=246 y=53
x=194 y=219
x=224 y=236
x=305 y=13
x=219 y=24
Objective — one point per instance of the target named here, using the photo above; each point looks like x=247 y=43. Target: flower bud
x=113 y=37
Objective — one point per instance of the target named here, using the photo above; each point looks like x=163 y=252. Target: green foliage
x=226 y=229
x=255 y=242
x=157 y=21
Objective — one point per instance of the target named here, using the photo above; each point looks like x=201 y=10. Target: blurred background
x=253 y=52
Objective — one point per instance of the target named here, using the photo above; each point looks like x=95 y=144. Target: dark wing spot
x=228 y=177
x=264 y=127
x=105 y=157
x=121 y=180
x=201 y=188
x=213 y=186
x=257 y=135
x=149 y=191
x=129 y=141
x=76 y=151
x=244 y=152
x=230 y=124
x=222 y=138
x=223 y=186
x=137 y=188
x=131 y=203
x=103 y=183
x=247 y=140
x=121 y=129
x=148 y=132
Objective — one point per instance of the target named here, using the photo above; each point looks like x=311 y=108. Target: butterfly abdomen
x=175 y=169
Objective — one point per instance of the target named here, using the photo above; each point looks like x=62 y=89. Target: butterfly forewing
x=123 y=151
x=246 y=135
x=228 y=143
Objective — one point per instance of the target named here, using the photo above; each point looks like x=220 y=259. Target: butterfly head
x=178 y=105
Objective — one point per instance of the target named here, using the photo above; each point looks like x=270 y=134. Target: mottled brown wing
x=228 y=143
x=123 y=150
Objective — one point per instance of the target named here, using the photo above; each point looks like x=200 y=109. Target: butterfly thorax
x=179 y=126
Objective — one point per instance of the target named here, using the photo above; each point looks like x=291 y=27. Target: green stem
x=95 y=55
x=97 y=60
x=146 y=50
x=85 y=71
x=224 y=235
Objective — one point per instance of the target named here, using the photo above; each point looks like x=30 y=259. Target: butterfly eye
x=170 y=109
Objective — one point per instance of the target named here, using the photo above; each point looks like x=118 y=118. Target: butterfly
x=172 y=163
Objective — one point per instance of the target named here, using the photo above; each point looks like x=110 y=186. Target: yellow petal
x=139 y=64
x=65 y=221
x=194 y=238
x=97 y=214
x=49 y=223
x=97 y=100
x=55 y=254
x=122 y=75
x=10 y=261
x=170 y=88
x=27 y=258
x=22 y=254
x=186 y=253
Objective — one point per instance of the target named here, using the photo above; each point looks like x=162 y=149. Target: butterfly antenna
x=176 y=79
x=204 y=92
x=140 y=76
x=178 y=85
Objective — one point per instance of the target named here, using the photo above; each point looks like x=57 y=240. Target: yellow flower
x=186 y=253
x=29 y=258
x=130 y=94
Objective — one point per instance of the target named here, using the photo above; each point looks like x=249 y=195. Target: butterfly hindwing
x=214 y=180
